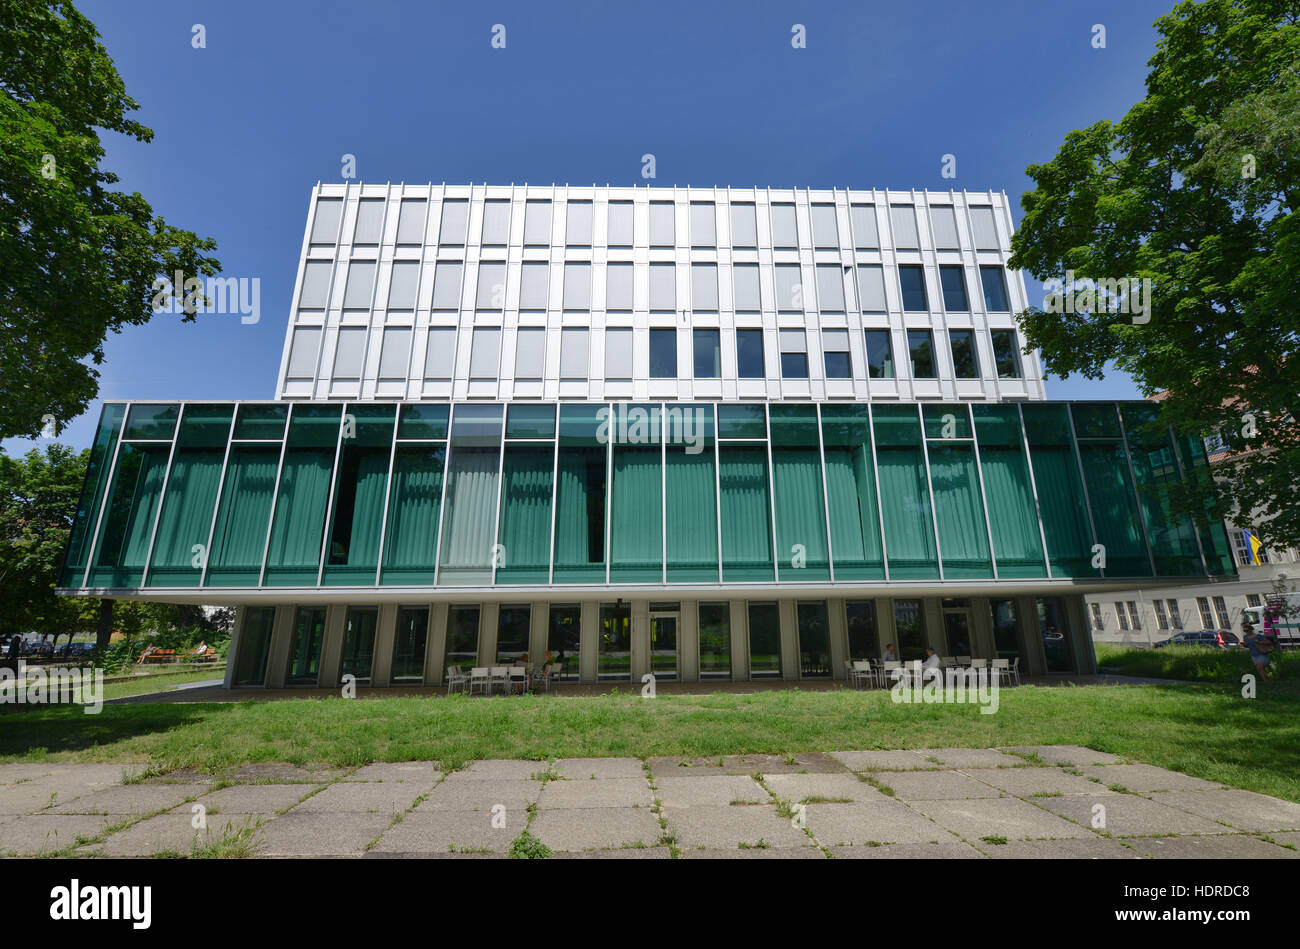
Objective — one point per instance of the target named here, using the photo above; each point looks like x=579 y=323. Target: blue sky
x=246 y=126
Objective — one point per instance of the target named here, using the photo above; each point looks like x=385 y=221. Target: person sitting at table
x=931 y=659
x=890 y=655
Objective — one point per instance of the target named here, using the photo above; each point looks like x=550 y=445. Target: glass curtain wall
x=636 y=533
x=1115 y=514
x=800 y=500
x=527 y=478
x=102 y=452
x=298 y=524
x=467 y=545
x=1013 y=515
x=1172 y=536
x=691 y=492
x=851 y=493
x=904 y=493
x=958 y=499
x=744 y=503
x=360 y=488
x=247 y=494
x=1055 y=464
x=581 y=495
x=415 y=498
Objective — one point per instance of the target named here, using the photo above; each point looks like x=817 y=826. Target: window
x=1207 y=615
x=361 y=281
x=1121 y=615
x=577 y=286
x=953 y=282
x=1254 y=599
x=1175 y=615
x=402 y=284
x=903 y=218
x=862 y=217
x=747 y=295
x=986 y=232
x=715 y=640
x=944 y=221
x=532 y=285
x=619 y=286
x=909 y=624
x=577 y=230
x=395 y=353
x=462 y=636
x=530 y=352
x=1006 y=354
x=1221 y=612
x=871 y=288
x=496 y=223
x=410 y=221
x=1098 y=623
x=912 y=279
x=1134 y=617
x=563 y=638
x=491 y=286
x=485 y=353
x=830 y=288
x=315 y=284
x=325 y=226
x=708 y=354
x=880 y=355
x=704 y=286
x=703 y=224
x=794 y=354
x=785 y=232
x=744 y=226
x=864 y=642
x=440 y=353
x=302 y=354
x=512 y=633
x=749 y=354
x=1162 y=618
x=446 y=285
x=618 y=353
x=663 y=287
x=370 y=221
x=410 y=642
x=350 y=355
x=254 y=646
x=455 y=221
x=663 y=354
x=663 y=227
x=965 y=362
x=620 y=224
x=835 y=352
x=826 y=231
x=789 y=290
x=537 y=223
x=573 y=353
x=995 y=289
x=359 y=643
x=920 y=344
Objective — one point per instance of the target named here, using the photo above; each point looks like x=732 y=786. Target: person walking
x=1260 y=646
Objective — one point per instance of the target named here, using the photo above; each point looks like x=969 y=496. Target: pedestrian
x=1259 y=646
x=890 y=656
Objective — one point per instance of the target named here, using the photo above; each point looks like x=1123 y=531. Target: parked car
x=1214 y=640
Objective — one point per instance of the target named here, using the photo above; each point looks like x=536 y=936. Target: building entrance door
x=663 y=644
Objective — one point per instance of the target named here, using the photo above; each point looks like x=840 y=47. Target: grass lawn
x=1207 y=730
x=162 y=681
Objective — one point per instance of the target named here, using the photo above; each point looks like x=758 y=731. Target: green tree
x=38 y=498
x=77 y=259
x=1195 y=188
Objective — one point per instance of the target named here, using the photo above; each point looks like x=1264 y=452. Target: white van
x=1280 y=617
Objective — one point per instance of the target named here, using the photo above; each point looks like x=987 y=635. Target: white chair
x=860 y=674
x=550 y=673
x=518 y=675
x=456 y=679
x=1015 y=669
x=948 y=662
x=480 y=679
x=888 y=677
x=963 y=660
x=1002 y=671
x=499 y=675
x=979 y=663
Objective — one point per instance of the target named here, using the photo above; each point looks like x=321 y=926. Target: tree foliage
x=1197 y=188
x=77 y=259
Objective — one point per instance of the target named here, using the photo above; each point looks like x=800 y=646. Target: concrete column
x=588 y=645
x=981 y=629
x=277 y=660
x=488 y=614
x=538 y=630
x=236 y=643
x=1034 y=660
x=1076 y=616
x=837 y=630
x=331 y=650
x=739 y=641
x=435 y=648
x=639 y=639
x=688 y=642
x=385 y=637
x=935 y=636
x=885 y=628
x=789 y=639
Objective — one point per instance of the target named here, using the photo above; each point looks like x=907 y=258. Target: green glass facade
x=350 y=495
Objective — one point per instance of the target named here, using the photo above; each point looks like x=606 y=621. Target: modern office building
x=708 y=433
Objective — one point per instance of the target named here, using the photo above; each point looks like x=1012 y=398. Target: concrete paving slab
x=1218 y=847
x=725 y=828
x=33 y=836
x=516 y=795
x=418 y=772
x=183 y=776
x=803 y=762
x=498 y=770
x=273 y=772
x=673 y=766
x=581 y=769
x=629 y=853
x=970 y=757
x=445 y=831
x=755 y=853
x=132 y=799
x=1081 y=848
x=828 y=788
x=1006 y=817
x=1145 y=777
x=885 y=822
x=957 y=850
x=596 y=827
x=882 y=761
x=715 y=790
x=1074 y=755
x=255 y=798
x=12 y=773
x=1029 y=782
x=174 y=833
x=1245 y=810
x=35 y=795
x=937 y=786
x=609 y=792
x=1128 y=815
x=358 y=797
x=1292 y=838
x=343 y=833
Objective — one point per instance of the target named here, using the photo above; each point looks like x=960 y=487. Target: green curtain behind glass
x=412 y=535
x=1114 y=510
x=300 y=511
x=959 y=512
x=128 y=523
x=746 y=517
x=691 y=488
x=904 y=501
x=186 y=516
x=367 y=521
x=636 y=525
x=855 y=522
x=580 y=514
x=800 y=513
x=240 y=537
x=526 y=514
x=1012 y=517
x=1065 y=516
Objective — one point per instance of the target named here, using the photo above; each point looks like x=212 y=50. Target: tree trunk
x=105 y=628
